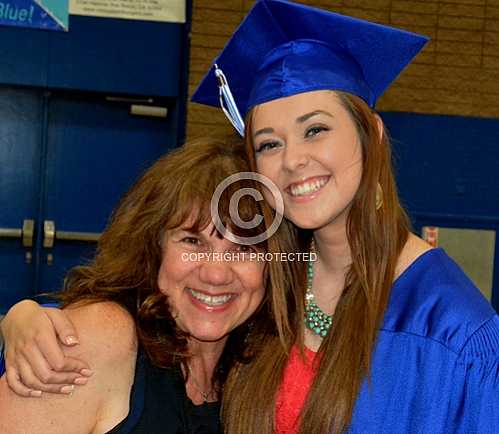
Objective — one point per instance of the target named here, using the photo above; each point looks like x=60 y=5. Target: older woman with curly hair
x=160 y=327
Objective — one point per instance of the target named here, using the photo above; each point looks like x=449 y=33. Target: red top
x=292 y=393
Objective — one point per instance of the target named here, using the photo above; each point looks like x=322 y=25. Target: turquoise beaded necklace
x=315 y=319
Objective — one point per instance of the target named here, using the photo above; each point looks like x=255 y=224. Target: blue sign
x=38 y=14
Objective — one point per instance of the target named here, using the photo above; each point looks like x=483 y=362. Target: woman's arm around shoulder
x=107 y=338
x=34 y=338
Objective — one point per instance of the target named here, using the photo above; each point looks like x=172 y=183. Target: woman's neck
x=201 y=368
x=333 y=249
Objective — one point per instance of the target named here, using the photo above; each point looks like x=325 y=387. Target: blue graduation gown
x=435 y=368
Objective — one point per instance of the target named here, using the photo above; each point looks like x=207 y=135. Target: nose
x=216 y=273
x=295 y=156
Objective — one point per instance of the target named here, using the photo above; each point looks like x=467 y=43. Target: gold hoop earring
x=379 y=197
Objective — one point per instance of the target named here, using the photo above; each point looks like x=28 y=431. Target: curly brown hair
x=129 y=253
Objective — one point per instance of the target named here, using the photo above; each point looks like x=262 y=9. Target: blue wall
x=447 y=172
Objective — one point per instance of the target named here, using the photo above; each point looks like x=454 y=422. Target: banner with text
x=38 y=14
x=147 y=10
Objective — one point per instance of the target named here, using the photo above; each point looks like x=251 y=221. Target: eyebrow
x=185 y=230
x=300 y=120
x=263 y=131
x=307 y=116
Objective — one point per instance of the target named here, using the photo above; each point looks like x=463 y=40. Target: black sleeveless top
x=159 y=405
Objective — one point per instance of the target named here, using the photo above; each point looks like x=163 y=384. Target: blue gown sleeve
x=476 y=401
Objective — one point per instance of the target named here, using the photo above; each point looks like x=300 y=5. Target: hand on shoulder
x=108 y=341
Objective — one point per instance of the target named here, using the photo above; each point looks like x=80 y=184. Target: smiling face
x=208 y=298
x=308 y=145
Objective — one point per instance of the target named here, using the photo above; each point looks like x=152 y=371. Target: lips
x=307 y=187
x=211 y=301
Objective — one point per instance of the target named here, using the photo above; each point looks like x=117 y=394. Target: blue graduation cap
x=283 y=48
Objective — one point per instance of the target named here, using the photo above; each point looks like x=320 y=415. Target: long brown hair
x=376 y=238
x=129 y=253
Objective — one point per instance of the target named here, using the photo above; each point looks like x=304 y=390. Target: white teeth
x=210 y=300
x=308 y=187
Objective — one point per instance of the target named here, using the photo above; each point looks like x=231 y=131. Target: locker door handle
x=26 y=232
x=50 y=235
